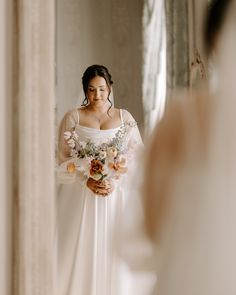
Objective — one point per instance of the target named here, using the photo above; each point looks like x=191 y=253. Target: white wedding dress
x=89 y=225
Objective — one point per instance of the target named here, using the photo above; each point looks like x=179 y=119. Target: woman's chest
x=94 y=135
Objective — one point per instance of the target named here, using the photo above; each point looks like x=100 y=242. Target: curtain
x=177 y=44
x=154 y=62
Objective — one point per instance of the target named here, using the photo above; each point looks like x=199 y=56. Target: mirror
x=128 y=37
x=108 y=33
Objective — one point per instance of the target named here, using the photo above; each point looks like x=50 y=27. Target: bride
x=92 y=192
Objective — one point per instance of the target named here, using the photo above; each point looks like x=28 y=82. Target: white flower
x=75 y=135
x=67 y=135
x=112 y=152
x=84 y=164
x=107 y=171
x=102 y=155
x=71 y=143
x=82 y=144
x=96 y=176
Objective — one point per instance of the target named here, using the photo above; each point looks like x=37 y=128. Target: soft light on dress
x=88 y=263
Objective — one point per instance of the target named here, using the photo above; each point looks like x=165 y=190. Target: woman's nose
x=97 y=94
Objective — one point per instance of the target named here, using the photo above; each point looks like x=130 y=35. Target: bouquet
x=106 y=160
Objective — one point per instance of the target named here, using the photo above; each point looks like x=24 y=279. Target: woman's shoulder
x=71 y=115
x=82 y=108
x=127 y=116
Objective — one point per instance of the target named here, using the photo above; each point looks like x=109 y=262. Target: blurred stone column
x=34 y=206
x=6 y=180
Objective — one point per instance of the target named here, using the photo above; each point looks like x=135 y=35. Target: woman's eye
x=91 y=89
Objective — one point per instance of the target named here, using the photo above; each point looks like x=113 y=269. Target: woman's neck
x=98 y=109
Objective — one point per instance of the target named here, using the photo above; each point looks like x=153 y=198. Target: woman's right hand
x=100 y=187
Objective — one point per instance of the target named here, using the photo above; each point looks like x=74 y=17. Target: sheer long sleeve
x=67 y=124
x=133 y=139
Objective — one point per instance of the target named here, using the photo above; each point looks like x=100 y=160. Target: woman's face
x=98 y=91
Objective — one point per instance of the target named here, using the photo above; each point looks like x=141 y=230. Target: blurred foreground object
x=190 y=203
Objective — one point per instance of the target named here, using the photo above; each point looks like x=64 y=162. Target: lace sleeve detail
x=133 y=134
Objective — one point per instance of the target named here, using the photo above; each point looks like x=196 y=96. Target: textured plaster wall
x=104 y=32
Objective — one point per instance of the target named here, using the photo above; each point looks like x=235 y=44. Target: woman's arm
x=67 y=124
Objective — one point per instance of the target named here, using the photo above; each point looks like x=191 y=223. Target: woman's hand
x=100 y=187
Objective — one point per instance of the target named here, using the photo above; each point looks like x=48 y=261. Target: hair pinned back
x=92 y=72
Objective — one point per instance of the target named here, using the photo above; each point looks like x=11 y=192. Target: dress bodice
x=96 y=135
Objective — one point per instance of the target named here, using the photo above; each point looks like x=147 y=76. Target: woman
x=91 y=201
x=190 y=185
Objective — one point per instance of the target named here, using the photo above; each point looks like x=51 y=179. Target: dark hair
x=215 y=16
x=92 y=72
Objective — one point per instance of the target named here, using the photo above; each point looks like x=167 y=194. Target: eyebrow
x=98 y=86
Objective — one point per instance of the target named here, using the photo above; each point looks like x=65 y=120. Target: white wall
x=104 y=32
x=79 y=44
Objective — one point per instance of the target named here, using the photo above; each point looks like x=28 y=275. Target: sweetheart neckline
x=110 y=129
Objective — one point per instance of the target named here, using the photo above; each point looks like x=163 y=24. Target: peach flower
x=119 y=165
x=71 y=167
